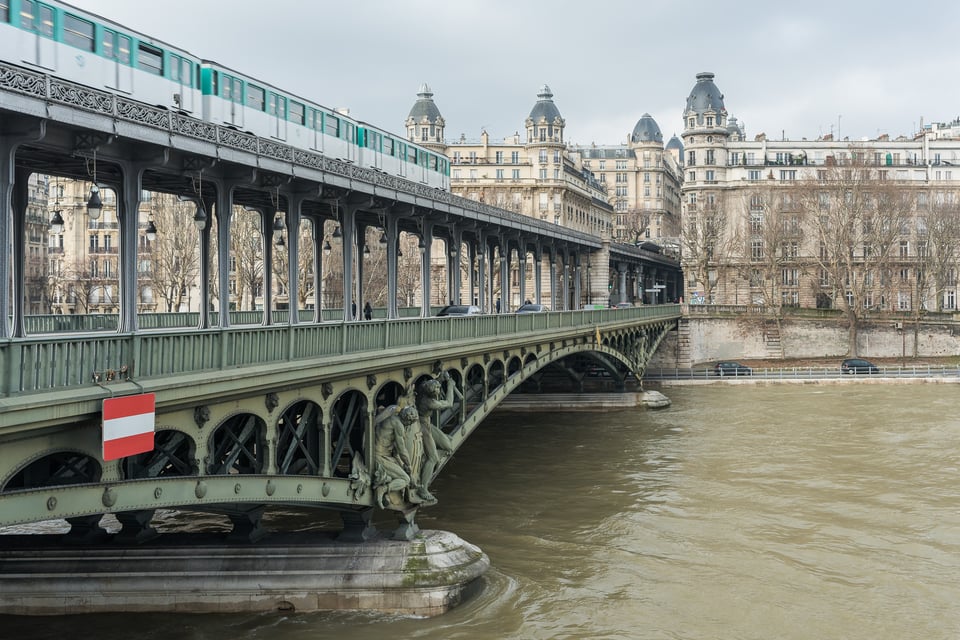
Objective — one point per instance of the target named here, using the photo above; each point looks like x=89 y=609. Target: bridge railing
x=49 y=362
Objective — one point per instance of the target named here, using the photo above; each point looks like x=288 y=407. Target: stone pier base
x=426 y=576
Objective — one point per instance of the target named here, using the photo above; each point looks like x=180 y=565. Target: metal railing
x=57 y=361
x=802 y=373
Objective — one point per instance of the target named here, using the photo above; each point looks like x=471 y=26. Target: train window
x=349 y=132
x=77 y=33
x=313 y=119
x=5 y=10
x=433 y=162
x=422 y=159
x=297 y=113
x=150 y=59
x=36 y=17
x=115 y=46
x=256 y=97
x=278 y=105
x=388 y=146
x=331 y=125
x=181 y=70
x=412 y=155
x=232 y=89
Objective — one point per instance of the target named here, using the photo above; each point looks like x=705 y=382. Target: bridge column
x=554 y=302
x=425 y=256
x=537 y=274
x=578 y=274
x=361 y=260
x=482 y=297
x=207 y=204
x=566 y=282
x=267 y=216
x=20 y=201
x=622 y=287
x=504 y=275
x=292 y=224
x=391 y=229
x=453 y=265
x=224 y=213
x=523 y=274
x=130 y=192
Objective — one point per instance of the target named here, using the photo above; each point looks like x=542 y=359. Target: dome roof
x=646 y=130
x=705 y=96
x=424 y=107
x=675 y=143
x=544 y=109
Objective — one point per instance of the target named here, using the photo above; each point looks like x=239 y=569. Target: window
x=116 y=46
x=181 y=70
x=297 y=113
x=904 y=248
x=756 y=250
x=516 y=175
x=231 y=89
x=256 y=97
x=788 y=174
x=692 y=176
x=278 y=105
x=753 y=174
x=5 y=10
x=711 y=177
x=543 y=174
x=710 y=157
x=498 y=157
x=77 y=33
x=514 y=157
x=543 y=156
x=692 y=158
x=150 y=59
x=499 y=175
x=388 y=146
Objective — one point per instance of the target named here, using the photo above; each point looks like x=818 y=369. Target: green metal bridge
x=252 y=416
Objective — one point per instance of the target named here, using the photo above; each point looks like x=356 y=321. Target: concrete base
x=426 y=576
x=588 y=402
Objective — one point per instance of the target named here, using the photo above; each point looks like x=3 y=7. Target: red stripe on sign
x=131 y=445
x=129 y=406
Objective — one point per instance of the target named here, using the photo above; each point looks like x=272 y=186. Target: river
x=742 y=511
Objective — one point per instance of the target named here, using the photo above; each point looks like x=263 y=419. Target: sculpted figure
x=393 y=459
x=431 y=398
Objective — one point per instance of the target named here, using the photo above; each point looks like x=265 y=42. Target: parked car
x=624 y=305
x=730 y=368
x=532 y=308
x=459 y=310
x=858 y=365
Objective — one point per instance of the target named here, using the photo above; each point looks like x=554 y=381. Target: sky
x=791 y=70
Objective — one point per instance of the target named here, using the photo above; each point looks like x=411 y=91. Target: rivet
x=325 y=490
x=109 y=497
x=271 y=488
x=51 y=503
x=200 y=490
x=158 y=492
x=236 y=488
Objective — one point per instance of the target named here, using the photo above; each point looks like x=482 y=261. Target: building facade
x=825 y=223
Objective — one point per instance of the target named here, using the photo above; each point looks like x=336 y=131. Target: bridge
x=302 y=406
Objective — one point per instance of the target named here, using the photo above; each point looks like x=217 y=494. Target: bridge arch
x=54 y=469
x=238 y=446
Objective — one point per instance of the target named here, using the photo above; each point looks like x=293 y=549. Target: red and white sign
x=128 y=425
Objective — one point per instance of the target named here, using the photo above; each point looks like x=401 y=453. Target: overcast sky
x=794 y=69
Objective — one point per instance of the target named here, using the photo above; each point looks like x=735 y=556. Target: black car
x=858 y=365
x=729 y=368
x=459 y=310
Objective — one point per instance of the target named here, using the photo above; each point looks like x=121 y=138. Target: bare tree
x=937 y=237
x=772 y=239
x=857 y=219
x=175 y=253
x=709 y=236
x=246 y=250
x=635 y=225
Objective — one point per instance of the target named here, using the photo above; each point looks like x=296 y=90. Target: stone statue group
x=408 y=446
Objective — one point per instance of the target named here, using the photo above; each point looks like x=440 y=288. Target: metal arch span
x=307 y=441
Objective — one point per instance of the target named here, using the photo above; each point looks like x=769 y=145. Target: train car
x=82 y=47
x=391 y=154
x=59 y=39
x=240 y=101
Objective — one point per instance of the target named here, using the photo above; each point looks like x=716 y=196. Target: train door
x=116 y=48
x=37 y=43
x=348 y=132
x=232 y=100
x=181 y=72
x=277 y=108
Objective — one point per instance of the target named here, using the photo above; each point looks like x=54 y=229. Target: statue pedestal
x=196 y=573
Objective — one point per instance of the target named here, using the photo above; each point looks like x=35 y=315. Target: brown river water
x=742 y=511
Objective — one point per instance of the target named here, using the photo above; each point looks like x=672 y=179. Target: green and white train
x=66 y=42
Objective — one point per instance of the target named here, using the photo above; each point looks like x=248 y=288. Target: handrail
x=59 y=361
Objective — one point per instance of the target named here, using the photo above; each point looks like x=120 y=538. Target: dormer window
x=709 y=121
x=692 y=122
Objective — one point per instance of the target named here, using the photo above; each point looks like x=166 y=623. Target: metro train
x=66 y=42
